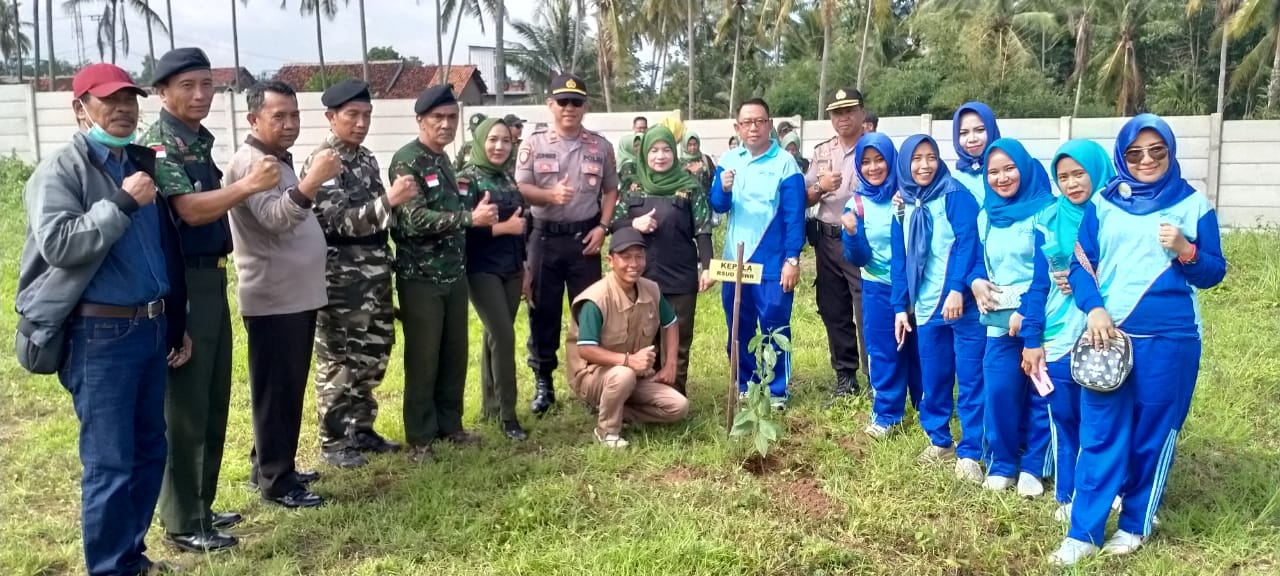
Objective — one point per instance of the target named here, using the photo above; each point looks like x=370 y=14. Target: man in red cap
x=102 y=302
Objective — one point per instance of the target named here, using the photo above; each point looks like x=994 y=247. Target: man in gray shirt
x=280 y=264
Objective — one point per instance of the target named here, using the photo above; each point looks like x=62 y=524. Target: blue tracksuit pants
x=950 y=358
x=764 y=307
x=1064 y=411
x=894 y=374
x=1127 y=438
x=1009 y=401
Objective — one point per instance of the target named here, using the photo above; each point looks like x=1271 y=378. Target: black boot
x=846 y=386
x=544 y=396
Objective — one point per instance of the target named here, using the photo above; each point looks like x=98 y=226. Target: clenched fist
x=264 y=175
x=140 y=187
x=402 y=190
x=325 y=165
x=726 y=180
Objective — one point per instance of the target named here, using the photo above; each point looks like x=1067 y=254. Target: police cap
x=845 y=98
x=349 y=90
x=568 y=87
x=177 y=61
x=434 y=97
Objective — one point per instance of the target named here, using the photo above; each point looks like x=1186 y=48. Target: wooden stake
x=732 y=399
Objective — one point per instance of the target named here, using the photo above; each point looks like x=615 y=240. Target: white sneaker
x=778 y=403
x=1063 y=513
x=1117 y=503
x=1071 y=552
x=969 y=469
x=877 y=431
x=935 y=454
x=1122 y=543
x=1029 y=486
x=611 y=440
x=995 y=483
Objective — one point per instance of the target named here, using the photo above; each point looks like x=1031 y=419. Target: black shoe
x=303 y=478
x=846 y=386
x=222 y=520
x=344 y=457
x=513 y=430
x=299 y=497
x=420 y=454
x=544 y=395
x=371 y=442
x=205 y=542
x=462 y=438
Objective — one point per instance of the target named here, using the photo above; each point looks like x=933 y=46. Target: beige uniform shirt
x=587 y=161
x=830 y=156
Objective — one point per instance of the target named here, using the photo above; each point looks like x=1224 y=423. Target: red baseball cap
x=103 y=80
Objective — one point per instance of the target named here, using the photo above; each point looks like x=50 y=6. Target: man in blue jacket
x=102 y=300
x=762 y=190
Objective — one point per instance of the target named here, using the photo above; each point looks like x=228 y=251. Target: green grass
x=679 y=501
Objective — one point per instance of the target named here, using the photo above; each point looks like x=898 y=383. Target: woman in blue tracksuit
x=894 y=371
x=1016 y=418
x=1053 y=323
x=933 y=251
x=1154 y=242
x=973 y=128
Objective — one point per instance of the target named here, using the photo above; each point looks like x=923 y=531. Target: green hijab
x=625 y=152
x=793 y=138
x=685 y=155
x=478 y=158
x=667 y=183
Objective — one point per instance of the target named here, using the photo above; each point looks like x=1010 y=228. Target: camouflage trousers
x=354 y=336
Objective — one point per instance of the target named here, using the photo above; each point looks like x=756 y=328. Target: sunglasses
x=1156 y=153
x=571 y=103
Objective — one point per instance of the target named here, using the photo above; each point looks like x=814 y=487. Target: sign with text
x=727 y=271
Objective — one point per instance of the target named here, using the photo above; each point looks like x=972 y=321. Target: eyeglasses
x=1156 y=153
x=753 y=122
x=571 y=103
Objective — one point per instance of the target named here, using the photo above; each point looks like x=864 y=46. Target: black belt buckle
x=154 y=309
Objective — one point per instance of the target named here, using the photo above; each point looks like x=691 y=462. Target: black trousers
x=557 y=263
x=279 y=363
x=686 y=308
x=839 y=286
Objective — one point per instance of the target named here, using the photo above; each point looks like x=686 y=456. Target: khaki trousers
x=621 y=396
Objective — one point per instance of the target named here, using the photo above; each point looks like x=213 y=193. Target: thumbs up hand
x=646 y=224
x=512 y=226
x=484 y=214
x=562 y=193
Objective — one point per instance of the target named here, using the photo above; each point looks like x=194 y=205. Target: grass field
x=680 y=501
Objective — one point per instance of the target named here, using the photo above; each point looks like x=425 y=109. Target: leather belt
x=827 y=230
x=150 y=310
x=206 y=262
x=566 y=228
x=376 y=239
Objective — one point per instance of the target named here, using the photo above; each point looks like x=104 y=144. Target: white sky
x=270 y=37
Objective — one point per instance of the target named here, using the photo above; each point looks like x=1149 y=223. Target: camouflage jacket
x=431 y=229
x=184 y=165
x=353 y=205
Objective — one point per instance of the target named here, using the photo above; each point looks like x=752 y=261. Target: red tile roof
x=387 y=79
x=62 y=84
x=227 y=77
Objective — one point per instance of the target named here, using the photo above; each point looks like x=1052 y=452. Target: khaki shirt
x=587 y=161
x=830 y=156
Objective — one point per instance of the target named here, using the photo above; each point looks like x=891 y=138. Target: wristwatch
x=793 y=261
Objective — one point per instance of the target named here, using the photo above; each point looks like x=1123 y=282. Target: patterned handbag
x=1105 y=369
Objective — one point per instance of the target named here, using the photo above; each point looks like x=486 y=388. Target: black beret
x=513 y=120
x=176 y=62
x=349 y=90
x=434 y=97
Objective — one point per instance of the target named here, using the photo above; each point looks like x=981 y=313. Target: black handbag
x=36 y=358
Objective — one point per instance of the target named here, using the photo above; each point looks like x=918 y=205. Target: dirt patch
x=807 y=496
x=758 y=466
x=855 y=445
x=679 y=475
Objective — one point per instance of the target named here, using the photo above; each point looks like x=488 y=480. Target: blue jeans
x=116 y=372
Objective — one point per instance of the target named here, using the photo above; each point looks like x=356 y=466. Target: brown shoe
x=420 y=454
x=463 y=438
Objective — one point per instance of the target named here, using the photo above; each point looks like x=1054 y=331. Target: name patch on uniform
x=545 y=156
x=727 y=271
x=432 y=180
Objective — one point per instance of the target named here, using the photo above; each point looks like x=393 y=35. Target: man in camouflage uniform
x=200 y=391
x=430 y=234
x=355 y=331
x=464 y=152
x=516 y=125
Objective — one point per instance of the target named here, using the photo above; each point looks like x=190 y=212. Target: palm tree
x=1259 y=15
x=17 y=19
x=318 y=8
x=13 y=41
x=456 y=9
x=364 y=46
x=1223 y=10
x=48 y=33
x=662 y=27
x=151 y=44
x=614 y=41
x=500 y=50
x=35 y=41
x=881 y=13
x=997 y=25
x=731 y=22
x=1120 y=74
x=828 y=10
x=546 y=47
x=235 y=43
x=168 y=10
x=113 y=27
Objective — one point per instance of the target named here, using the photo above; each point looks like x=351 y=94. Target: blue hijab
x=969 y=163
x=920 y=234
x=1034 y=192
x=1067 y=216
x=882 y=144
x=1139 y=198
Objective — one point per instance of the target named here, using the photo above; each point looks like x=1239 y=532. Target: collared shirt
x=133 y=272
x=766 y=207
x=831 y=156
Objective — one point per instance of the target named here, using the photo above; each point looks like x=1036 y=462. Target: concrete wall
x=1236 y=163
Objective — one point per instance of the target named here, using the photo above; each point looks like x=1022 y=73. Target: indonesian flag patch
x=432 y=181
x=463 y=186
x=159 y=150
